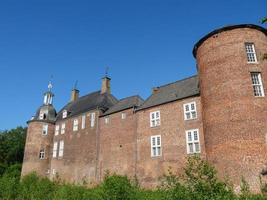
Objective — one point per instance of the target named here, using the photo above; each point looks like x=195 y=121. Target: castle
x=220 y=114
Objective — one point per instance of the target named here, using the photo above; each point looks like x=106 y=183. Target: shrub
x=8 y=187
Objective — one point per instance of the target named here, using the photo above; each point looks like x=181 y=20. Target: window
x=83 y=121
x=42 y=154
x=57 y=130
x=55 y=150
x=154 y=119
x=41 y=115
x=92 y=119
x=192 y=140
x=257 y=84
x=64 y=114
x=61 y=148
x=63 y=126
x=155 y=145
x=251 y=53
x=75 y=124
x=106 y=120
x=45 y=129
x=123 y=115
x=190 y=111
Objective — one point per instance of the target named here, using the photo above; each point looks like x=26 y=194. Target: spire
x=48 y=96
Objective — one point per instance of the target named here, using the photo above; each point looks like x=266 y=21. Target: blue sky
x=145 y=43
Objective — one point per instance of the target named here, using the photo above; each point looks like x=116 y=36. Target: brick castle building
x=221 y=114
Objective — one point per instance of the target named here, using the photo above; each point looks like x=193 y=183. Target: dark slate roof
x=125 y=103
x=226 y=28
x=49 y=111
x=174 y=91
x=88 y=102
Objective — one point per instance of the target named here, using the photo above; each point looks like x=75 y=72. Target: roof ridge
x=178 y=81
x=130 y=97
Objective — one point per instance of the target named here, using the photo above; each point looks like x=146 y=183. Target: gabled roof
x=88 y=102
x=174 y=91
x=125 y=103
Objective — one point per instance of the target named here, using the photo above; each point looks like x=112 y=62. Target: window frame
x=193 y=141
x=92 y=119
x=154 y=121
x=190 y=111
x=63 y=128
x=75 y=125
x=251 y=53
x=55 y=148
x=123 y=115
x=42 y=154
x=83 y=121
x=258 y=85
x=156 y=146
x=45 y=129
x=57 y=129
x=107 y=120
x=61 y=149
x=64 y=114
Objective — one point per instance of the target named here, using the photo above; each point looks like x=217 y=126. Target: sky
x=144 y=43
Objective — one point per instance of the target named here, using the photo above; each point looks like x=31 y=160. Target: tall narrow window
x=123 y=115
x=61 y=148
x=83 y=121
x=92 y=119
x=41 y=115
x=64 y=114
x=106 y=120
x=75 y=124
x=45 y=129
x=154 y=119
x=57 y=130
x=55 y=150
x=192 y=140
x=42 y=154
x=251 y=53
x=257 y=84
x=63 y=126
x=155 y=145
x=190 y=111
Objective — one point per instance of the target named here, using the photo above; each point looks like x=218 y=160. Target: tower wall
x=234 y=120
x=36 y=141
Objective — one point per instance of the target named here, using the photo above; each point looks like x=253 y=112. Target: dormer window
x=41 y=115
x=64 y=114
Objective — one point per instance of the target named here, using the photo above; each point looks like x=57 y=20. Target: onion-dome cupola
x=47 y=110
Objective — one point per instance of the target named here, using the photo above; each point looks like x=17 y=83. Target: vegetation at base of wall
x=198 y=182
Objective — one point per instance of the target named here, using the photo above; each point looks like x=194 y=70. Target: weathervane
x=75 y=85
x=50 y=83
x=106 y=72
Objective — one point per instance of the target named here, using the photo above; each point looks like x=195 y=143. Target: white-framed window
x=57 y=130
x=63 y=127
x=64 y=114
x=42 y=154
x=55 y=150
x=257 y=84
x=155 y=142
x=192 y=141
x=83 y=121
x=123 y=115
x=75 y=124
x=61 y=148
x=106 y=120
x=45 y=129
x=251 y=53
x=41 y=115
x=190 y=111
x=92 y=119
x=154 y=119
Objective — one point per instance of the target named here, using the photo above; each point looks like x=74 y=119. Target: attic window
x=41 y=115
x=64 y=114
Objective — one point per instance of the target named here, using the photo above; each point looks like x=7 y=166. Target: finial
x=50 y=84
x=75 y=85
x=106 y=72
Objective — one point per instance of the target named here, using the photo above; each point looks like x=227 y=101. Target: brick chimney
x=155 y=90
x=105 y=85
x=74 y=95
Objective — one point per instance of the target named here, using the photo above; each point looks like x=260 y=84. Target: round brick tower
x=39 y=139
x=233 y=80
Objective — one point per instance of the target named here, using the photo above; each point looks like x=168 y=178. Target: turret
x=233 y=80
x=40 y=133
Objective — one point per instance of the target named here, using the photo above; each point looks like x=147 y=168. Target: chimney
x=155 y=89
x=105 y=85
x=74 y=95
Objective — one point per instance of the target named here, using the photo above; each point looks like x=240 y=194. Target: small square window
x=190 y=111
x=42 y=154
x=106 y=120
x=123 y=115
x=155 y=119
x=64 y=114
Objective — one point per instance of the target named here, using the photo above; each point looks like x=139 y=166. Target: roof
x=49 y=112
x=226 y=28
x=125 y=103
x=174 y=91
x=88 y=102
